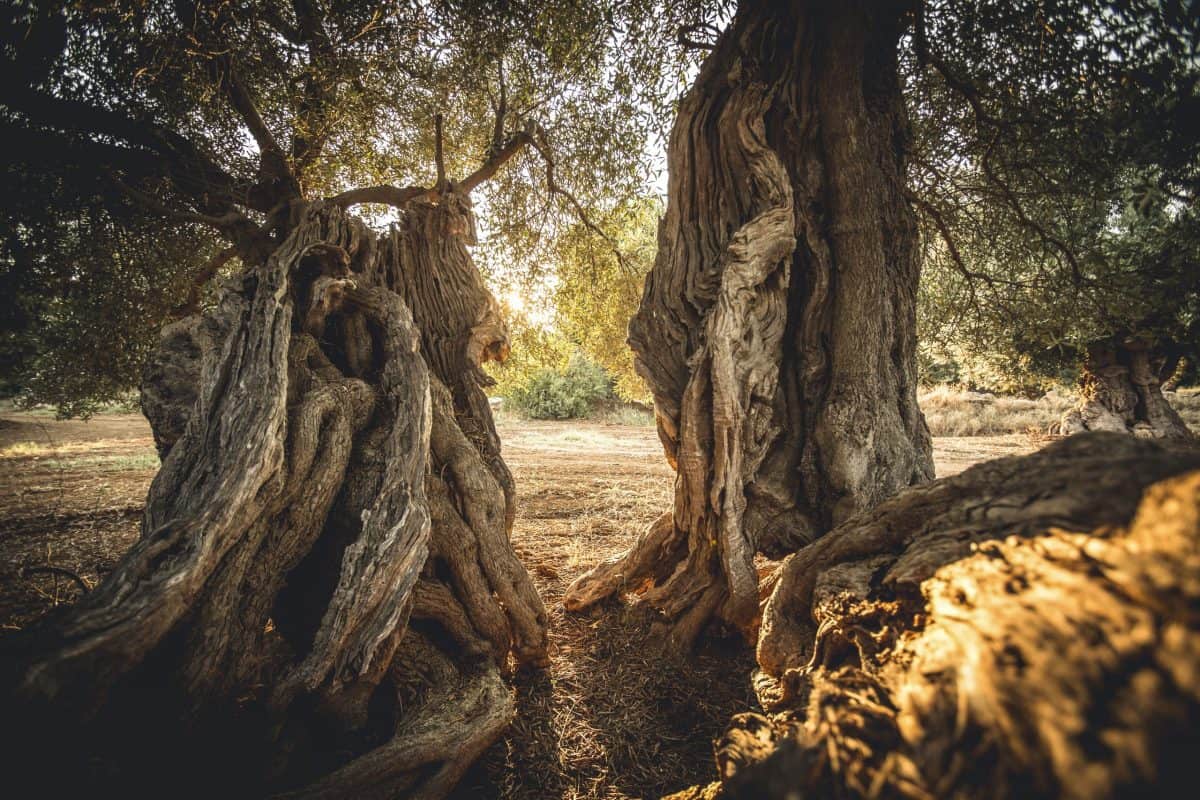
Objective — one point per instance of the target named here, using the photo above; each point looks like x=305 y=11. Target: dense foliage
x=582 y=310
x=1055 y=165
x=183 y=128
x=597 y=292
x=568 y=393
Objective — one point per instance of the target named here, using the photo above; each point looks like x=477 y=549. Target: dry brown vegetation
x=952 y=412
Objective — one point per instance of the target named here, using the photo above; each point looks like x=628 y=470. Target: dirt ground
x=605 y=721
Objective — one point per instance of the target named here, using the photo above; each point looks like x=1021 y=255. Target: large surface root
x=1027 y=628
x=444 y=728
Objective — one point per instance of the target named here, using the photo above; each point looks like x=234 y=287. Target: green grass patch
x=116 y=463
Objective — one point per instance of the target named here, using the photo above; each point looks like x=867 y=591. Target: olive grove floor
x=605 y=721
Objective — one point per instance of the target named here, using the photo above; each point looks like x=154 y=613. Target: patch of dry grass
x=76 y=449
x=950 y=412
x=1187 y=403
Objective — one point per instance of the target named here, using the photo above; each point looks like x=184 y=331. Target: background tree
x=1054 y=167
x=572 y=317
x=599 y=289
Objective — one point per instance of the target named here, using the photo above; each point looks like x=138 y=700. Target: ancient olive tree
x=324 y=599
x=1026 y=628
x=777 y=329
x=1054 y=169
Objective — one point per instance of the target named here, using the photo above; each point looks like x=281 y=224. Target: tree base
x=685 y=593
x=324 y=597
x=1026 y=628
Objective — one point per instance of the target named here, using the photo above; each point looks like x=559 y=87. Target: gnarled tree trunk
x=1027 y=628
x=1121 y=391
x=324 y=589
x=777 y=328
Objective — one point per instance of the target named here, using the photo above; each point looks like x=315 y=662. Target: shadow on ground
x=610 y=718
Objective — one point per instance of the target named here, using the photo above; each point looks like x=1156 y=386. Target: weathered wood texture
x=1122 y=392
x=1028 y=628
x=777 y=330
x=289 y=599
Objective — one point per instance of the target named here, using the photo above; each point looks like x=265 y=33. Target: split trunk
x=324 y=590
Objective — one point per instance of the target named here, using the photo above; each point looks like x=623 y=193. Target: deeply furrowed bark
x=1025 y=629
x=777 y=330
x=289 y=598
x=1122 y=393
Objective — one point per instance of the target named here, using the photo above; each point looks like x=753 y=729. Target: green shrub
x=569 y=393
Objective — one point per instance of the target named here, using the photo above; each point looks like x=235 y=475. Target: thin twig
x=542 y=146
x=50 y=569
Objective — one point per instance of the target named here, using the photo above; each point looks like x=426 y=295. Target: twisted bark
x=1027 y=628
x=1121 y=391
x=777 y=329
x=324 y=591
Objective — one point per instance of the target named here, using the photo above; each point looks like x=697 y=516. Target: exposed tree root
x=441 y=734
x=1027 y=628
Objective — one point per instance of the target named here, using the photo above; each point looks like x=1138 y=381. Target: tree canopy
x=1055 y=166
x=185 y=131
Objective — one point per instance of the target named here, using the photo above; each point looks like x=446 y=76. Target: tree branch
x=190 y=170
x=926 y=56
x=495 y=161
x=384 y=195
x=438 y=157
x=280 y=25
x=1023 y=218
x=542 y=145
x=243 y=104
x=274 y=162
x=501 y=108
x=318 y=97
x=684 y=36
x=201 y=277
x=247 y=237
x=533 y=135
x=312 y=23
